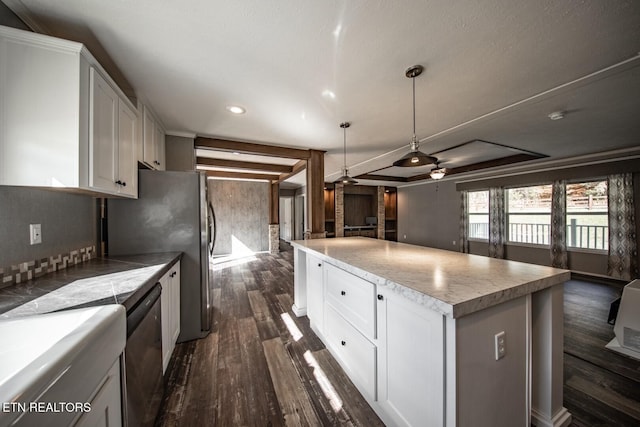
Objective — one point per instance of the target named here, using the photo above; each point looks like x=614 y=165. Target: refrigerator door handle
x=212 y=229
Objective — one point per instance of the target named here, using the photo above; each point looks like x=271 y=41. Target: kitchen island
x=434 y=337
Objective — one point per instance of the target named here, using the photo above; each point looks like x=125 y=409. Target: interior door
x=286 y=213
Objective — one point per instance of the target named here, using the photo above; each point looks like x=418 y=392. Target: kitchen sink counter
x=114 y=280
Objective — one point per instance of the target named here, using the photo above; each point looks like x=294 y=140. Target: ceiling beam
x=517 y=158
x=300 y=166
x=235 y=164
x=251 y=148
x=381 y=177
x=241 y=175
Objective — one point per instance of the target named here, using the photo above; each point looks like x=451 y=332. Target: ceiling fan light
x=438 y=173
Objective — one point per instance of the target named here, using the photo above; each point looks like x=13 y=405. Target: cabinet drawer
x=356 y=354
x=352 y=297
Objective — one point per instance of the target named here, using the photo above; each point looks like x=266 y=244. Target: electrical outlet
x=500 y=344
x=454 y=243
x=35 y=233
x=405 y=237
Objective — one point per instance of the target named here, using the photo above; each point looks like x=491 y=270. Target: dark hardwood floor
x=263 y=366
x=601 y=387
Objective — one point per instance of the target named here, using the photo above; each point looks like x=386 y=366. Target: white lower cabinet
x=389 y=346
x=354 y=351
x=170 y=312
x=315 y=293
x=410 y=366
x=106 y=405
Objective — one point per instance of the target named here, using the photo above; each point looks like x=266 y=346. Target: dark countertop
x=114 y=280
x=360 y=227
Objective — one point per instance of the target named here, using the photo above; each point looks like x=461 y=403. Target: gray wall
x=69 y=222
x=179 y=153
x=10 y=19
x=428 y=215
x=242 y=213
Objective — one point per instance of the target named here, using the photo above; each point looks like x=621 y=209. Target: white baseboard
x=561 y=419
x=299 y=312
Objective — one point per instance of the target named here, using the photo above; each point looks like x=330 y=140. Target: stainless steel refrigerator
x=172 y=213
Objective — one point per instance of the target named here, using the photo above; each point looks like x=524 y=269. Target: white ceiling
x=494 y=70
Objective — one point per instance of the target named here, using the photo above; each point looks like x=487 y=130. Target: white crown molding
x=181 y=134
x=26 y=16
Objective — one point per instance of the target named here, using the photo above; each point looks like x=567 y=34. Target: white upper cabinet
x=153 y=144
x=64 y=123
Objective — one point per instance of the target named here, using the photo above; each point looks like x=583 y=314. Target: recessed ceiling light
x=328 y=94
x=236 y=153
x=235 y=109
x=556 y=115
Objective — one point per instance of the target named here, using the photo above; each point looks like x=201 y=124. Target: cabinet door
x=106 y=407
x=315 y=292
x=103 y=133
x=411 y=367
x=148 y=138
x=165 y=316
x=160 y=146
x=174 y=305
x=127 y=146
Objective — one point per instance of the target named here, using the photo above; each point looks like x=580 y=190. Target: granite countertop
x=451 y=283
x=115 y=280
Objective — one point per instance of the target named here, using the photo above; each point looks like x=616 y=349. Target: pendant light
x=345 y=178
x=415 y=157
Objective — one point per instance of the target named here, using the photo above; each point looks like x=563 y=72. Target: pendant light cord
x=413 y=79
x=344 y=132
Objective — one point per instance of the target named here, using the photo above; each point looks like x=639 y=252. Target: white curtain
x=559 y=257
x=623 y=255
x=497 y=222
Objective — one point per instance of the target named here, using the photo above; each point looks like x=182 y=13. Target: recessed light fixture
x=328 y=94
x=556 y=115
x=235 y=109
x=236 y=153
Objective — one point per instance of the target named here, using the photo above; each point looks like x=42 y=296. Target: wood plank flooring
x=262 y=366
x=601 y=387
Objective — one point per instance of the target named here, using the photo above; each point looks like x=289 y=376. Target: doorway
x=286 y=218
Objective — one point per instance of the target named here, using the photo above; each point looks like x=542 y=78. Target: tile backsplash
x=28 y=270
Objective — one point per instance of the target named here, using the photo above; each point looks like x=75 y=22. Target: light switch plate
x=35 y=233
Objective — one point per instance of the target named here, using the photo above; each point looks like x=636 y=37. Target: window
x=478 y=203
x=587 y=215
x=529 y=214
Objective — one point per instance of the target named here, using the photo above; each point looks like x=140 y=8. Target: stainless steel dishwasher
x=143 y=361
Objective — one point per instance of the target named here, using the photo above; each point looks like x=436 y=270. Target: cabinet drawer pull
x=124 y=184
x=119 y=182
x=343 y=293
x=380 y=297
x=343 y=342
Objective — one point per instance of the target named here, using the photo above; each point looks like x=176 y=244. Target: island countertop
x=452 y=283
x=99 y=281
